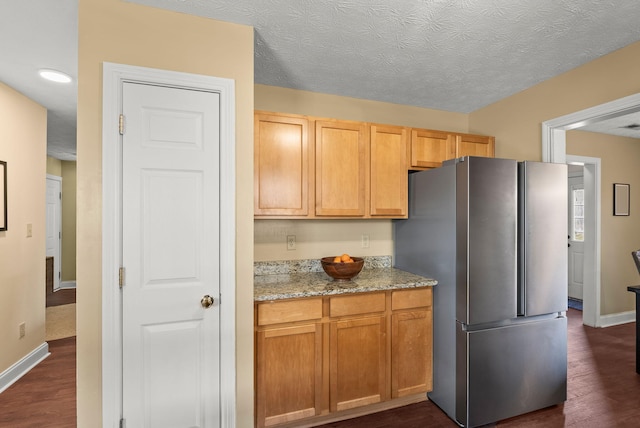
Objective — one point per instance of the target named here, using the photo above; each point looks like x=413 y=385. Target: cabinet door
x=430 y=148
x=288 y=373
x=389 y=181
x=341 y=168
x=411 y=352
x=475 y=145
x=357 y=370
x=281 y=165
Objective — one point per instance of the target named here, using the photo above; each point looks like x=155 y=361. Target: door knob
x=206 y=301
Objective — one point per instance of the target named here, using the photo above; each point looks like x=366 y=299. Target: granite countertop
x=288 y=283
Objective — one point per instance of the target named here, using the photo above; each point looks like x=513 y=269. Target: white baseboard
x=67 y=284
x=22 y=367
x=616 y=319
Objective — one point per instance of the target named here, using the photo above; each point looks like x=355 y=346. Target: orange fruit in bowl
x=345 y=257
x=337 y=259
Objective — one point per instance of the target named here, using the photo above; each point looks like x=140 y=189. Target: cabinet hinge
x=123 y=423
x=121 y=277
x=121 y=124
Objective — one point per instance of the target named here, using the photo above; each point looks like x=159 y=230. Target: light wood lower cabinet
x=288 y=361
x=289 y=366
x=326 y=357
x=357 y=345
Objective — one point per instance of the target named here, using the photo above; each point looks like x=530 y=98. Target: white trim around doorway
x=554 y=150
x=114 y=75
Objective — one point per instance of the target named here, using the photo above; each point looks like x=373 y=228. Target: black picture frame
x=621 y=205
x=3 y=196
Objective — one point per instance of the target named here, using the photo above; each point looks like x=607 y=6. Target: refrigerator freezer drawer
x=508 y=371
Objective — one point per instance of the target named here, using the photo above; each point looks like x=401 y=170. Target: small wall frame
x=3 y=196
x=621 y=203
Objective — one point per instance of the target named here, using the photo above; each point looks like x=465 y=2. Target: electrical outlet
x=291 y=242
x=22 y=328
x=365 y=241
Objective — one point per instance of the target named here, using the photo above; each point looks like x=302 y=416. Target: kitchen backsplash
x=311 y=265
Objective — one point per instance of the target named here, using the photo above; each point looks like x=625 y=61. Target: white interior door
x=576 y=236
x=54 y=225
x=170 y=250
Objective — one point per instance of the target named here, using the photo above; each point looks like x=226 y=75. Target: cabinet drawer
x=289 y=311
x=355 y=305
x=413 y=298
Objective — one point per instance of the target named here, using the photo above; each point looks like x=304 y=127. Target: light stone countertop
x=309 y=284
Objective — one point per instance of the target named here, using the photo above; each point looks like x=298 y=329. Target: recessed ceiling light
x=55 y=76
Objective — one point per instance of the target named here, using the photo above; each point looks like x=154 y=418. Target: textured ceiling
x=453 y=55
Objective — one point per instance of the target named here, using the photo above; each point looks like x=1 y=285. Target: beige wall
x=54 y=166
x=272 y=98
x=68 y=257
x=23 y=136
x=516 y=123
x=620 y=234
x=125 y=33
x=320 y=238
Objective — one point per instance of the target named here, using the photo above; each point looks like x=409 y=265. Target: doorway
x=115 y=76
x=576 y=236
x=54 y=228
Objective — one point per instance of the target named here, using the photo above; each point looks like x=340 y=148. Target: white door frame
x=113 y=77
x=57 y=261
x=554 y=149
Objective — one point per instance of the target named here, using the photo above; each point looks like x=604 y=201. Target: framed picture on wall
x=3 y=196
x=621 y=199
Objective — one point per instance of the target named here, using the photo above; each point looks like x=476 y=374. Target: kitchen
x=515 y=122
x=288 y=133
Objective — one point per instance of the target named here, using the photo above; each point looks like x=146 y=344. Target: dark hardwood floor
x=61 y=297
x=46 y=396
x=603 y=390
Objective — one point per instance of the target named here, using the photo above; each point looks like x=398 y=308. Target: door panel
x=543 y=231
x=507 y=371
x=54 y=223
x=170 y=252
x=576 y=237
x=486 y=216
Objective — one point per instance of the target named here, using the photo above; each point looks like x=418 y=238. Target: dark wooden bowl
x=342 y=271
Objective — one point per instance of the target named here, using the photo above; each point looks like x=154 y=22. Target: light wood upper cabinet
x=475 y=145
x=341 y=168
x=308 y=167
x=388 y=182
x=281 y=165
x=430 y=148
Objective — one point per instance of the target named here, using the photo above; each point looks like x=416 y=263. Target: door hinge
x=59 y=275
x=121 y=277
x=59 y=235
x=123 y=423
x=60 y=195
x=121 y=124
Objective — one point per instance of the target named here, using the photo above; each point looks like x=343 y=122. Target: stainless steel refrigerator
x=493 y=233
